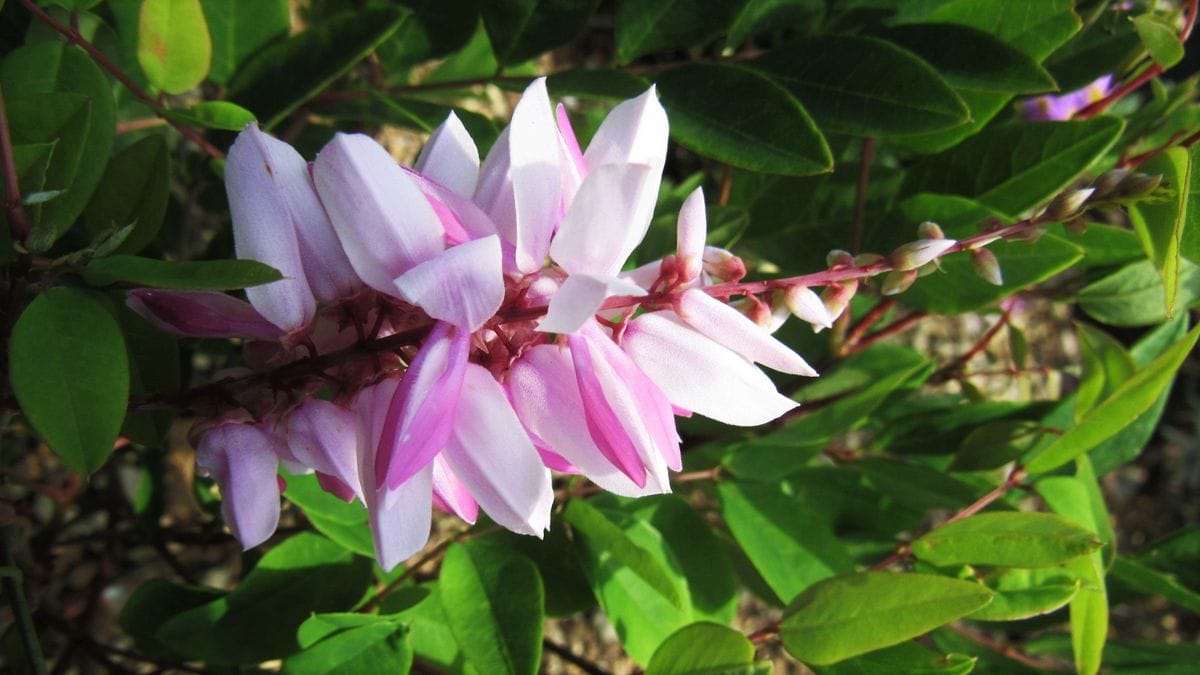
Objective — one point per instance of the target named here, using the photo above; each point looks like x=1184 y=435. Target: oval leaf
x=995 y=444
x=701 y=647
x=1160 y=224
x=70 y=373
x=214 y=115
x=1007 y=539
x=856 y=613
x=1024 y=593
x=133 y=192
x=378 y=647
x=738 y=116
x=196 y=275
x=605 y=535
x=173 y=45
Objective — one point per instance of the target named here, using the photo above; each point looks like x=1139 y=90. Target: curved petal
x=699 y=374
x=450 y=157
x=452 y=495
x=579 y=298
x=383 y=221
x=201 y=314
x=324 y=437
x=735 y=330
x=574 y=167
x=536 y=175
x=263 y=178
x=606 y=221
x=491 y=453
x=244 y=460
x=605 y=424
x=463 y=286
x=634 y=131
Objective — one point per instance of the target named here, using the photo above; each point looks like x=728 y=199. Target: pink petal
x=606 y=221
x=491 y=453
x=264 y=179
x=463 y=286
x=699 y=374
x=604 y=424
x=244 y=461
x=546 y=397
x=579 y=298
x=452 y=495
x=201 y=314
x=421 y=413
x=450 y=157
x=536 y=175
x=735 y=330
x=636 y=131
x=383 y=221
x=690 y=234
x=324 y=437
x=494 y=192
x=574 y=168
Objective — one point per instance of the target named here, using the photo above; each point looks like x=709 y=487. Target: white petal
x=606 y=221
x=451 y=158
x=536 y=175
x=579 y=298
x=690 y=234
x=700 y=375
x=735 y=330
x=400 y=520
x=463 y=286
x=635 y=131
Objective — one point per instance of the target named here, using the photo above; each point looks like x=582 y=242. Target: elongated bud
x=1028 y=234
x=837 y=297
x=916 y=253
x=806 y=305
x=722 y=264
x=1107 y=183
x=838 y=257
x=866 y=259
x=1137 y=185
x=1068 y=203
x=689 y=235
x=930 y=230
x=757 y=311
x=897 y=282
x=1076 y=225
x=986 y=266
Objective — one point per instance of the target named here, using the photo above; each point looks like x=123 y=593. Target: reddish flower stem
x=877 y=312
x=14 y=209
x=860 y=195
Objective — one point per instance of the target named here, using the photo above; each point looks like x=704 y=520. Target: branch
x=1010 y=652
x=14 y=209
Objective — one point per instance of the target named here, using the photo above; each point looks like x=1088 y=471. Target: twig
x=872 y=317
x=1009 y=651
x=894 y=328
x=14 y=209
x=947 y=371
x=860 y=194
x=692 y=476
x=574 y=659
x=130 y=126
x=19 y=605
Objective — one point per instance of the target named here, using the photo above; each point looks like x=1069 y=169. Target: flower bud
x=1028 y=234
x=930 y=230
x=1137 y=185
x=986 y=266
x=1068 y=203
x=867 y=259
x=1107 y=183
x=916 y=253
x=1076 y=225
x=806 y=305
x=722 y=264
x=837 y=297
x=757 y=311
x=897 y=282
x=838 y=257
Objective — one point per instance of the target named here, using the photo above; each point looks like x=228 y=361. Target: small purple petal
x=244 y=460
x=201 y=314
x=603 y=423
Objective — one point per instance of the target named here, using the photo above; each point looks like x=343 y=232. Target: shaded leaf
x=1106 y=365
x=1149 y=580
x=378 y=647
x=702 y=648
x=606 y=536
x=1133 y=295
x=907 y=657
x=995 y=444
x=522 y=29
x=973 y=59
x=211 y=275
x=643 y=27
x=437 y=28
x=156 y=601
x=1160 y=224
x=238 y=29
x=133 y=191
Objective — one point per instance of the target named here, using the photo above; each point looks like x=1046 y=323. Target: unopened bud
x=917 y=253
x=867 y=259
x=838 y=257
x=1076 y=225
x=757 y=311
x=897 y=282
x=722 y=264
x=1068 y=203
x=930 y=230
x=806 y=305
x=1107 y=183
x=986 y=266
x=1028 y=235
x=1137 y=185
x=837 y=297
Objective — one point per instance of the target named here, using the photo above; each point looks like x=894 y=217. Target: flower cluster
x=523 y=346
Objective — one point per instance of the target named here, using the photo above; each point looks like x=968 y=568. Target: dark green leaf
x=211 y=275
x=305 y=574
x=437 y=28
x=1190 y=246
x=907 y=657
x=764 y=15
x=1106 y=365
x=154 y=368
x=914 y=485
x=1160 y=38
x=1107 y=44
x=1026 y=593
x=430 y=637
x=1149 y=580
x=1005 y=539
x=132 y=191
x=643 y=27
x=616 y=85
x=856 y=613
x=864 y=86
x=239 y=29
x=155 y=602
x=737 y=116
x=1160 y=224
x=1039 y=160
x=70 y=374
x=566 y=588
x=378 y=647
x=214 y=115
x=174 y=49
x=283 y=76
x=972 y=59
x=702 y=648
x=522 y=29
x=995 y=444
x=767 y=459
x=492 y=598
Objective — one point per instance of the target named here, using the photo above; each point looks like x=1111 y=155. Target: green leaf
x=1089 y=614
x=1190 y=245
x=906 y=657
x=864 y=86
x=1132 y=296
x=613 y=85
x=70 y=374
x=430 y=637
x=1005 y=539
x=210 y=275
x=644 y=27
x=378 y=647
x=1160 y=225
x=566 y=587
x=1149 y=580
x=1160 y=38
x=753 y=123
x=767 y=459
x=1127 y=402
x=173 y=49
x=765 y=15
x=522 y=29
x=156 y=601
x=1176 y=554
x=606 y=536
x=305 y=574
x=437 y=28
x=995 y=444
x=84 y=143
x=239 y=29
x=345 y=523
x=154 y=368
x=788 y=539
x=1106 y=365
x=280 y=78
x=133 y=191
x=970 y=58
x=702 y=648
x=1026 y=593
x=214 y=115
x=856 y=613
x=1107 y=44
x=492 y=598
x=1040 y=158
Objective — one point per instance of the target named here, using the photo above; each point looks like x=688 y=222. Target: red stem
x=860 y=195
x=14 y=209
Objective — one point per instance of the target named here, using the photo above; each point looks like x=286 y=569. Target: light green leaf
x=133 y=191
x=1089 y=614
x=211 y=275
x=69 y=371
x=345 y=523
x=702 y=647
x=1006 y=539
x=864 y=86
x=1160 y=225
x=214 y=115
x=1160 y=39
x=1149 y=580
x=1132 y=296
x=753 y=123
x=1026 y=593
x=174 y=49
x=492 y=598
x=1106 y=364
x=378 y=647
x=856 y=613
x=604 y=535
